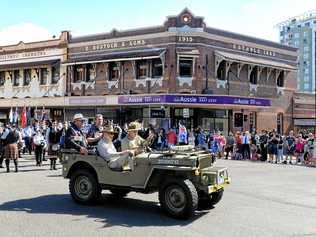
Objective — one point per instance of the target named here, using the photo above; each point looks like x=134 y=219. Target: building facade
x=32 y=75
x=300 y=32
x=180 y=72
x=183 y=71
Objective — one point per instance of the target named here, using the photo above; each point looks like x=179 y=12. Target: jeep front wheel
x=208 y=201
x=178 y=198
x=83 y=187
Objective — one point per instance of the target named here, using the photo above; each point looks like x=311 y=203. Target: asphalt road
x=263 y=200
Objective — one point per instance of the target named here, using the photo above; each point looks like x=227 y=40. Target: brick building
x=183 y=71
x=31 y=75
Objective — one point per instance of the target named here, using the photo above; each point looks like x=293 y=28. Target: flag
x=11 y=116
x=44 y=114
x=35 y=113
x=15 y=116
x=28 y=116
x=23 y=117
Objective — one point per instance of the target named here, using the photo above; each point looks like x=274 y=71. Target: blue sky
x=31 y=20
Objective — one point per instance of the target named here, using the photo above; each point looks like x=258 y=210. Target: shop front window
x=280 y=123
x=252 y=121
x=238 y=120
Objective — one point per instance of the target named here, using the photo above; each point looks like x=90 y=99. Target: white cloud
x=26 y=32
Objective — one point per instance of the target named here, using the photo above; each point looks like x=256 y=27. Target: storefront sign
x=87 y=101
x=253 y=50
x=141 y=99
x=193 y=99
x=28 y=55
x=157 y=113
x=114 y=45
x=186 y=113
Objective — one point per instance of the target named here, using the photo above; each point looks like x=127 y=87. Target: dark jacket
x=74 y=138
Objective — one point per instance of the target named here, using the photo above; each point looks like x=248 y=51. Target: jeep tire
x=83 y=187
x=178 y=198
x=207 y=202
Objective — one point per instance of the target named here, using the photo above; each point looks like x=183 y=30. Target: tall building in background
x=300 y=32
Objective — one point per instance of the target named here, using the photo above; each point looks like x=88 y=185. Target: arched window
x=280 y=79
x=221 y=71
x=254 y=75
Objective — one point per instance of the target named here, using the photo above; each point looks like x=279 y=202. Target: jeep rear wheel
x=83 y=187
x=178 y=198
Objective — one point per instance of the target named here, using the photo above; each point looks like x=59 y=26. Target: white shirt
x=108 y=151
x=38 y=139
x=246 y=139
x=27 y=132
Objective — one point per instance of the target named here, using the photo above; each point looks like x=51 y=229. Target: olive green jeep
x=184 y=177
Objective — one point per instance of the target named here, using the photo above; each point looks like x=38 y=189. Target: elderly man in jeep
x=106 y=149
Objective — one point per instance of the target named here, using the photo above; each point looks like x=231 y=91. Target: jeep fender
x=159 y=173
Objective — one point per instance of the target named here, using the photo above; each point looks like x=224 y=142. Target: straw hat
x=133 y=126
x=108 y=129
x=78 y=117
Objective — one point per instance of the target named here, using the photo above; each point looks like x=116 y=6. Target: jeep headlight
x=205 y=179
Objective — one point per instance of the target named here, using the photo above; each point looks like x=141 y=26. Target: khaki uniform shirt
x=131 y=144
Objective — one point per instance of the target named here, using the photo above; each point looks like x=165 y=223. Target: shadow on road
x=127 y=212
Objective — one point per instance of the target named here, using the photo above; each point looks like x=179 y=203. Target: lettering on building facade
x=253 y=50
x=114 y=45
x=27 y=55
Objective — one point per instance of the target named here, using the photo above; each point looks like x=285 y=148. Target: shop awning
x=29 y=64
x=253 y=60
x=119 y=56
x=305 y=122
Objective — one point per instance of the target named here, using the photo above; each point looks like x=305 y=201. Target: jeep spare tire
x=178 y=198
x=83 y=187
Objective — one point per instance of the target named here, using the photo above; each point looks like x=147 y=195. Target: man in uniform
x=74 y=137
x=132 y=141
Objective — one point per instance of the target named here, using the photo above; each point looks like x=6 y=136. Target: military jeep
x=184 y=177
